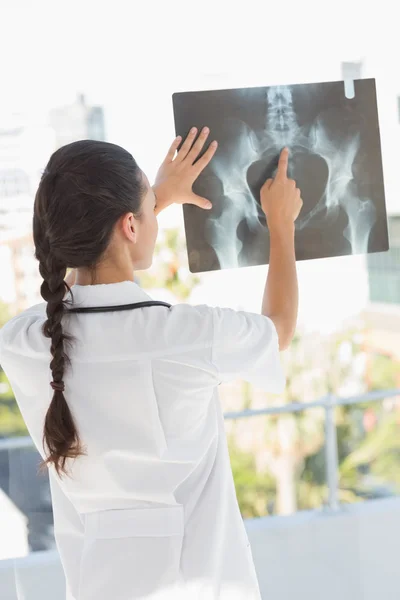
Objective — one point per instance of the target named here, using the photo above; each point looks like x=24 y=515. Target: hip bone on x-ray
x=335 y=158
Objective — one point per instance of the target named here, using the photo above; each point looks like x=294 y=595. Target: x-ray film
x=335 y=158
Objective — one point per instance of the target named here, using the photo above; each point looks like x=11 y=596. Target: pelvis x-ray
x=335 y=158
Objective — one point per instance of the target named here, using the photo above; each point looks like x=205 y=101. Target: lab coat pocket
x=131 y=554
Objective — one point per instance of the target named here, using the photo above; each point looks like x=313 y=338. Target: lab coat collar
x=108 y=294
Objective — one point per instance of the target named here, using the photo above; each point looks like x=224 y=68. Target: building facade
x=25 y=147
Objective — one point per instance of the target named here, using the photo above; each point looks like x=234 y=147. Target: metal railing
x=328 y=403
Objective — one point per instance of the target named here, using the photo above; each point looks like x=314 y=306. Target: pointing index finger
x=283 y=164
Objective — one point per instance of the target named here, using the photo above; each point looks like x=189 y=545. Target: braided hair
x=86 y=187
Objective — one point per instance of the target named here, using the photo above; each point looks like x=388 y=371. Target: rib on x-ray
x=335 y=158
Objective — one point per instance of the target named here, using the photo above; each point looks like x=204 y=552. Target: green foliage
x=255 y=491
x=5 y=313
x=11 y=422
x=369 y=459
x=247 y=391
x=378 y=453
x=384 y=373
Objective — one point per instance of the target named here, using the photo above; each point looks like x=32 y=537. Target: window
x=384 y=269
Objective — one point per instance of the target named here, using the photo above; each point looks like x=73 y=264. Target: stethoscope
x=97 y=309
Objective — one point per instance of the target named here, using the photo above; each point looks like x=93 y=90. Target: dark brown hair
x=86 y=187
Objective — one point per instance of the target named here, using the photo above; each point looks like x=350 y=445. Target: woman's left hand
x=177 y=174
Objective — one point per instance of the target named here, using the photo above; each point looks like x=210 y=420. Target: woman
x=131 y=429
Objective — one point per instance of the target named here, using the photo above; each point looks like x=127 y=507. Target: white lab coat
x=150 y=511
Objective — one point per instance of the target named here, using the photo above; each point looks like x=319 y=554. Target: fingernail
x=208 y=205
x=206 y=130
x=214 y=144
x=193 y=130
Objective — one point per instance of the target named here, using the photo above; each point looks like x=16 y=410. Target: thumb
x=199 y=201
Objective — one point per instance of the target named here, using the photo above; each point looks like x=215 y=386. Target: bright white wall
x=349 y=555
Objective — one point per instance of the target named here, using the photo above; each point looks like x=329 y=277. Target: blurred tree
x=375 y=462
x=255 y=491
x=368 y=435
x=371 y=467
x=384 y=372
x=316 y=366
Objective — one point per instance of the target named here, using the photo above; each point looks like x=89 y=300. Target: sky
x=130 y=56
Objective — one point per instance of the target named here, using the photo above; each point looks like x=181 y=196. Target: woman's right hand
x=280 y=198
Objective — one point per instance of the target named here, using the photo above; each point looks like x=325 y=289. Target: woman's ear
x=129 y=227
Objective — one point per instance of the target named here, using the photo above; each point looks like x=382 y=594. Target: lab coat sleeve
x=69 y=535
x=245 y=346
x=13 y=334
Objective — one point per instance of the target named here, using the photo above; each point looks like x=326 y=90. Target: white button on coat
x=150 y=512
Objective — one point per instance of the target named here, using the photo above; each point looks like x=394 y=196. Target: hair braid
x=60 y=437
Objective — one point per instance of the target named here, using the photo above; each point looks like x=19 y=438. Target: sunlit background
x=107 y=70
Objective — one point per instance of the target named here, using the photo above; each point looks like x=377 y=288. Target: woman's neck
x=101 y=276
